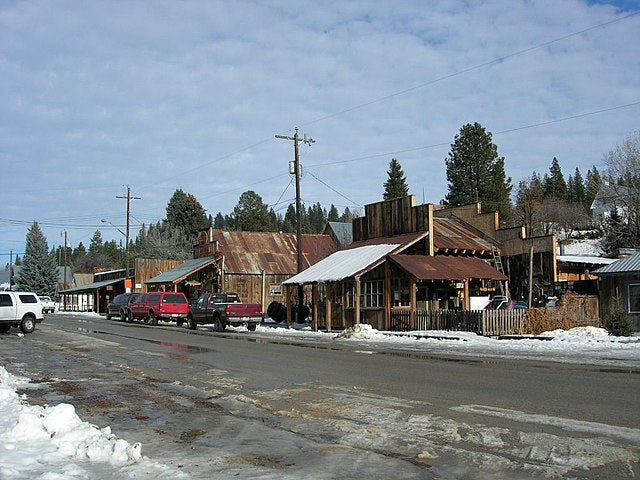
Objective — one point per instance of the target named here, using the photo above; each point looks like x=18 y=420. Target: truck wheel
x=28 y=324
x=4 y=328
x=179 y=323
x=108 y=316
x=191 y=324
x=152 y=319
x=218 y=326
x=252 y=327
x=128 y=317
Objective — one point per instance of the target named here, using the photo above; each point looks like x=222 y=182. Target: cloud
x=165 y=95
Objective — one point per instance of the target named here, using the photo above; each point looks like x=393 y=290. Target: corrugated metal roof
x=404 y=240
x=424 y=267
x=450 y=234
x=343 y=264
x=343 y=232
x=91 y=286
x=626 y=265
x=183 y=270
x=590 y=259
x=275 y=253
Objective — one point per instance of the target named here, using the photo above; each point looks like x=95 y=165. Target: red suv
x=154 y=306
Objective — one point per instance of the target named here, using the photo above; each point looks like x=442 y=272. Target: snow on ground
x=52 y=443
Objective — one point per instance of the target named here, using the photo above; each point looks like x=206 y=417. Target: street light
x=126 y=247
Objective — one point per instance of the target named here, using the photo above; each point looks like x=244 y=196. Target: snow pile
x=361 y=331
x=577 y=333
x=32 y=436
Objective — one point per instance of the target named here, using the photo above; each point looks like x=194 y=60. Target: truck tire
x=128 y=317
x=252 y=327
x=179 y=322
x=152 y=319
x=28 y=324
x=4 y=328
x=218 y=326
x=191 y=324
x=277 y=312
x=108 y=316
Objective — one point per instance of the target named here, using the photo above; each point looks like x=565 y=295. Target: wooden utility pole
x=296 y=171
x=126 y=248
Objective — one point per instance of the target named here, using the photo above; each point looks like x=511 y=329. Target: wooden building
x=620 y=281
x=253 y=264
x=403 y=258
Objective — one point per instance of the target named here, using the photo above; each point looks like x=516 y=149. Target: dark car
x=501 y=302
x=118 y=307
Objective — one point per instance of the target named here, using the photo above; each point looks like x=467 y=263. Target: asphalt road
x=242 y=404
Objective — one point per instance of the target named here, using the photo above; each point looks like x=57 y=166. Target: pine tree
x=218 y=222
x=593 y=183
x=579 y=194
x=396 y=185
x=289 y=222
x=333 y=215
x=475 y=172
x=554 y=185
x=39 y=272
x=252 y=214
x=184 y=211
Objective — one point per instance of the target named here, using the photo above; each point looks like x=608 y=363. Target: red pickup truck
x=222 y=309
x=154 y=306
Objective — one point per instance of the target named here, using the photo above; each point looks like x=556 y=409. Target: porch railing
x=483 y=322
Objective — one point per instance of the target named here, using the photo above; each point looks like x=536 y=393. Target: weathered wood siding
x=392 y=217
x=146 y=268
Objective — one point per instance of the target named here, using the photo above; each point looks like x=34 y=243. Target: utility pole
x=128 y=198
x=64 y=306
x=10 y=269
x=296 y=163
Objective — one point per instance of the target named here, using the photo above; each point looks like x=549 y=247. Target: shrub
x=617 y=322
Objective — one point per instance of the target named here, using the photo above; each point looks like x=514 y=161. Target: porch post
x=387 y=295
x=329 y=288
x=343 y=312
x=289 y=304
x=412 y=294
x=263 y=291
x=356 y=301
x=314 y=300
x=467 y=300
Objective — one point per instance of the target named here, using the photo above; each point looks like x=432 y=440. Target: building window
x=400 y=296
x=372 y=294
x=633 y=291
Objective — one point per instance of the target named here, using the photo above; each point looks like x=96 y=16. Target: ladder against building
x=497 y=263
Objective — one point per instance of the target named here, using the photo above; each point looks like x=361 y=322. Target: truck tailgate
x=244 y=310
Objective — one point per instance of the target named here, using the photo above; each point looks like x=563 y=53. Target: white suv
x=19 y=309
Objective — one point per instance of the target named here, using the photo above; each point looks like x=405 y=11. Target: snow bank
x=33 y=436
x=577 y=332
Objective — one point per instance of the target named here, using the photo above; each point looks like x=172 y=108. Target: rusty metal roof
x=423 y=267
x=453 y=235
x=275 y=253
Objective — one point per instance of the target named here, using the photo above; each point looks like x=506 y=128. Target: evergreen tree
x=184 y=211
x=593 y=184
x=252 y=214
x=96 y=243
x=333 y=215
x=289 y=221
x=396 y=185
x=475 y=172
x=347 y=215
x=39 y=272
x=218 y=222
x=578 y=193
x=554 y=185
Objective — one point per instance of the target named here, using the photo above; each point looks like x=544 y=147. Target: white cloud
x=100 y=95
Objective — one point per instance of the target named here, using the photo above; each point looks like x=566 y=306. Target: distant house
x=620 y=281
x=609 y=199
x=341 y=232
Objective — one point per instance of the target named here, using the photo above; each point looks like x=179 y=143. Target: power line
x=336 y=191
x=469 y=69
x=442 y=144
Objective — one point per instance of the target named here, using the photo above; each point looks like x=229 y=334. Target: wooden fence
x=482 y=322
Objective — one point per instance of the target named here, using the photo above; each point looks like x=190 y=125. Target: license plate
x=175 y=315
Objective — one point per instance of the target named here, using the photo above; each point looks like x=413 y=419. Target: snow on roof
x=343 y=264
x=585 y=259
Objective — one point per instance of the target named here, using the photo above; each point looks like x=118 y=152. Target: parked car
x=19 y=309
x=501 y=302
x=222 y=309
x=47 y=304
x=118 y=306
x=154 y=306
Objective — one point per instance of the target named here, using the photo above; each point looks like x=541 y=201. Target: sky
x=97 y=96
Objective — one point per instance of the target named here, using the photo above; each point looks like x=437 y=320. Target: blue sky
x=163 y=95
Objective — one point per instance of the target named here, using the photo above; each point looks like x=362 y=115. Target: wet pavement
x=195 y=409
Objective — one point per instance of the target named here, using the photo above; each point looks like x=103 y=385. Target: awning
x=343 y=264
x=182 y=271
x=423 y=267
x=90 y=287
